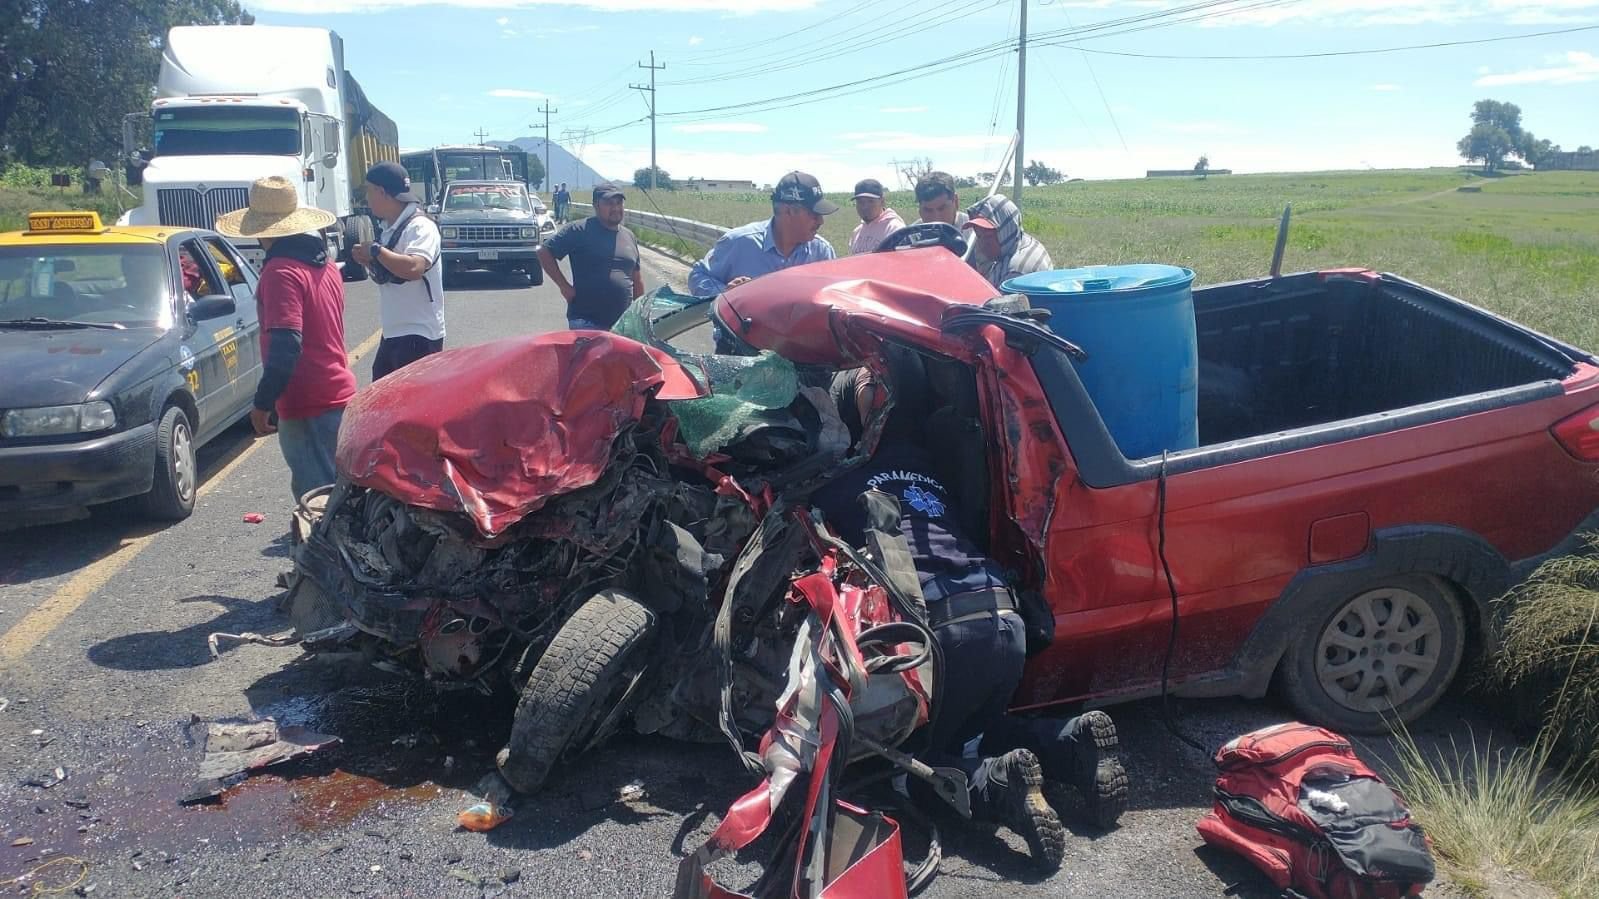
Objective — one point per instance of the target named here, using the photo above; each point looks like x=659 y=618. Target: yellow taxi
x=125 y=348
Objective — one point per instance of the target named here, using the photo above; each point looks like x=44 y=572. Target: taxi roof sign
x=64 y=223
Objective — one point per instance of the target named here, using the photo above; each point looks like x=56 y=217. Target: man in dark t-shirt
x=605 y=264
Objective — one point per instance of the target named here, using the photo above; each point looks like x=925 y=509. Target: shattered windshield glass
x=743 y=388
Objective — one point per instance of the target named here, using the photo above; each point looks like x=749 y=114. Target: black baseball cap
x=605 y=190
x=871 y=187
x=803 y=190
x=392 y=178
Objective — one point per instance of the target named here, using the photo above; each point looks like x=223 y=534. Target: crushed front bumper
x=55 y=476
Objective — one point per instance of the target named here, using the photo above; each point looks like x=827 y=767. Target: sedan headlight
x=447 y=232
x=46 y=421
x=530 y=232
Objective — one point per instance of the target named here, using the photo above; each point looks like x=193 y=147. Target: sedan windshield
x=122 y=284
x=468 y=197
x=227 y=131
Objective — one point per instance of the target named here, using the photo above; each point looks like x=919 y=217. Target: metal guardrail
x=700 y=233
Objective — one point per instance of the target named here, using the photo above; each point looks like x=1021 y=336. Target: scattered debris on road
x=254 y=518
x=236 y=748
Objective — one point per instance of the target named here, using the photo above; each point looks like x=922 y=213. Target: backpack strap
x=394 y=241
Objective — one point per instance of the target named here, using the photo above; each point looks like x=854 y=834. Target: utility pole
x=1021 y=106
x=546 y=126
x=651 y=89
x=481 y=134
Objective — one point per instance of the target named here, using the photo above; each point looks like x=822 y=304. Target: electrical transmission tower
x=581 y=137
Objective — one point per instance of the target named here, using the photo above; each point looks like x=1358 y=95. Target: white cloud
x=695 y=41
x=738 y=8
x=517 y=94
x=1385 y=88
x=721 y=128
x=502 y=21
x=1576 y=67
x=508 y=32
x=905 y=140
x=891 y=110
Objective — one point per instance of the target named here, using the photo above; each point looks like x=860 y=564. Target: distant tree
x=964 y=181
x=663 y=181
x=1534 y=151
x=913 y=170
x=1037 y=173
x=535 y=171
x=70 y=69
x=1585 y=149
x=1202 y=167
x=1499 y=114
x=1488 y=144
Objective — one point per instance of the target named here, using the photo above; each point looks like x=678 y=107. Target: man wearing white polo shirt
x=404 y=260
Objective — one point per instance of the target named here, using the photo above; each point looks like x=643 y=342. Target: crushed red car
x=610 y=523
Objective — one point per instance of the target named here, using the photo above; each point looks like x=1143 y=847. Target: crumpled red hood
x=496 y=430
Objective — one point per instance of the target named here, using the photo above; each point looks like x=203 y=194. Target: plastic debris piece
x=235 y=749
x=4 y=703
x=632 y=792
x=254 y=518
x=22 y=841
x=482 y=817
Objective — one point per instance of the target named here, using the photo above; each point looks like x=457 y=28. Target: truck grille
x=188 y=208
x=491 y=232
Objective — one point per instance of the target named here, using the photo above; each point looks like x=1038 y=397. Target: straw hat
x=274 y=211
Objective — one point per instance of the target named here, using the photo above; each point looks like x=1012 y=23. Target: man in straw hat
x=306 y=379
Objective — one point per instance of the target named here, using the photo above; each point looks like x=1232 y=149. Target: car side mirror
x=330 y=160
x=212 y=307
x=433 y=209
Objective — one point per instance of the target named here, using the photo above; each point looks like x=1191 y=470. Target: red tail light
x=1579 y=434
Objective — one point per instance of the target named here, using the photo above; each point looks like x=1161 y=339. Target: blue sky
x=444 y=68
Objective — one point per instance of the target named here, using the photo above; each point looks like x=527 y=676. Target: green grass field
x=17 y=202
x=1526 y=246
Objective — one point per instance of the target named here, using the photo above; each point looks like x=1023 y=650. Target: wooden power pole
x=548 y=181
x=651 y=91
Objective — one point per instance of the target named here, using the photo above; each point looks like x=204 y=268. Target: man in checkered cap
x=785 y=240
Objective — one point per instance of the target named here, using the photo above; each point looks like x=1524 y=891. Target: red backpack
x=1297 y=803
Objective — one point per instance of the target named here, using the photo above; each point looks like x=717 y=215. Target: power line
x=968 y=57
x=1095 y=77
x=763 y=46
x=1324 y=54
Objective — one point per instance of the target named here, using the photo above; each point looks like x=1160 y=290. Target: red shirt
x=302 y=297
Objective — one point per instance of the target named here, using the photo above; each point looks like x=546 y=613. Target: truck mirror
x=330 y=159
x=332 y=139
x=433 y=209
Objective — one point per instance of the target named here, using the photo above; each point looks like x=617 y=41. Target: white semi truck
x=237 y=103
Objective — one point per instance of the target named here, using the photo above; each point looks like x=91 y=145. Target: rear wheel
x=1388 y=653
x=177 y=475
x=572 y=697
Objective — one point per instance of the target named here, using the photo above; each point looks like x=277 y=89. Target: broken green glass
x=742 y=388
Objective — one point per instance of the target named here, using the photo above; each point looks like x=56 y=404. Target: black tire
x=576 y=684
x=1342 y=669
x=177 y=476
x=535 y=275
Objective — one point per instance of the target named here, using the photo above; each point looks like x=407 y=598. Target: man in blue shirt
x=785 y=240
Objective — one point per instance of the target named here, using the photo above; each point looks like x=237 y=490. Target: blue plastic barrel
x=1136 y=323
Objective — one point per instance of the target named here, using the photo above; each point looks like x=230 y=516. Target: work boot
x=1013 y=795
x=1097 y=771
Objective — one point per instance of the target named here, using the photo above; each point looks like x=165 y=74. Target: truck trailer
x=238 y=103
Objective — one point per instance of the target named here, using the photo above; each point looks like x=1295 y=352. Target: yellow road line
x=365 y=347
x=31 y=630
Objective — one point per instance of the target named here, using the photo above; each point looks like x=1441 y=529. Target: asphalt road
x=103 y=661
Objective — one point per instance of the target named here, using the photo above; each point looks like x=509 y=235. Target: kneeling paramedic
x=981 y=634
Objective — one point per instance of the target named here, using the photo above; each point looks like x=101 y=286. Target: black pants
x=398 y=352
x=983 y=660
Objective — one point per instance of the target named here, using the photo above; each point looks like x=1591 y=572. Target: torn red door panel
x=496 y=430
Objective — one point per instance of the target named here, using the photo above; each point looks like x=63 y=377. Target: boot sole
x=1106 y=800
x=1031 y=817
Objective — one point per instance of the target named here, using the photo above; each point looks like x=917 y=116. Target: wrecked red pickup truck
x=1378 y=462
